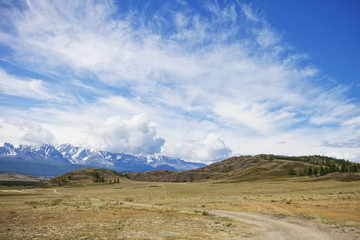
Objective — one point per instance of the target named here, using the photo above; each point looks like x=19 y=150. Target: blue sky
x=198 y=80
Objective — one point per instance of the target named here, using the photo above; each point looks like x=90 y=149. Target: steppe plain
x=264 y=209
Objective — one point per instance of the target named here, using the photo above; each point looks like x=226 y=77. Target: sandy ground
x=276 y=228
x=270 y=227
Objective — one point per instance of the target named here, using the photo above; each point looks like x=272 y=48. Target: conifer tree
x=316 y=172
x=322 y=171
x=333 y=167
x=97 y=177
x=310 y=172
x=343 y=167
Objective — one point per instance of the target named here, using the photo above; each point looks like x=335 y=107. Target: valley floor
x=289 y=209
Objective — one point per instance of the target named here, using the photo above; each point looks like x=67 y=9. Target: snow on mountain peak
x=67 y=153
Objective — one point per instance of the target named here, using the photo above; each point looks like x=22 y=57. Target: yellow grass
x=138 y=210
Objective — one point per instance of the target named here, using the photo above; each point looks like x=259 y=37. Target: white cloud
x=36 y=135
x=213 y=148
x=192 y=75
x=351 y=143
x=137 y=135
x=249 y=13
x=343 y=155
x=28 y=88
x=266 y=37
x=353 y=121
x=24 y=132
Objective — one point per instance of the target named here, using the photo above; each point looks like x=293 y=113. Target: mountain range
x=54 y=160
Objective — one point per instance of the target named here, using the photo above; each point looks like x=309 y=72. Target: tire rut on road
x=270 y=228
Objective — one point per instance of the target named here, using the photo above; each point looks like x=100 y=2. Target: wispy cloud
x=195 y=73
x=352 y=143
x=26 y=88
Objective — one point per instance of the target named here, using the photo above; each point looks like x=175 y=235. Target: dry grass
x=137 y=210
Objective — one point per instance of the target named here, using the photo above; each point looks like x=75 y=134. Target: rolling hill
x=234 y=169
x=85 y=176
x=17 y=177
x=247 y=168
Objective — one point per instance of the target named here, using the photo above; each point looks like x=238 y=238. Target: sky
x=197 y=80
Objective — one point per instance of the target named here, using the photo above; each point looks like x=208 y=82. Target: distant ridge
x=50 y=160
x=263 y=166
x=17 y=177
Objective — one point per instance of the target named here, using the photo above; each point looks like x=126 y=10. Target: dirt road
x=271 y=227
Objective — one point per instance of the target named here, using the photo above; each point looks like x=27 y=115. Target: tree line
x=97 y=178
x=330 y=167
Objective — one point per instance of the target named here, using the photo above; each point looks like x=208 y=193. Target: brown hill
x=84 y=177
x=248 y=168
x=18 y=177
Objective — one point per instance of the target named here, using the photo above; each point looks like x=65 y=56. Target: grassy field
x=139 y=210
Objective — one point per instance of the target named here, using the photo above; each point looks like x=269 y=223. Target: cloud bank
x=136 y=135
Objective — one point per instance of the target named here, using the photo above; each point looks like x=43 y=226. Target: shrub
x=205 y=213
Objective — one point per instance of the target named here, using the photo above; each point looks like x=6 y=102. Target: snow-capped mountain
x=29 y=152
x=122 y=161
x=67 y=154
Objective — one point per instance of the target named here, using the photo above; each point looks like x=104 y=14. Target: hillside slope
x=17 y=177
x=84 y=177
x=247 y=168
